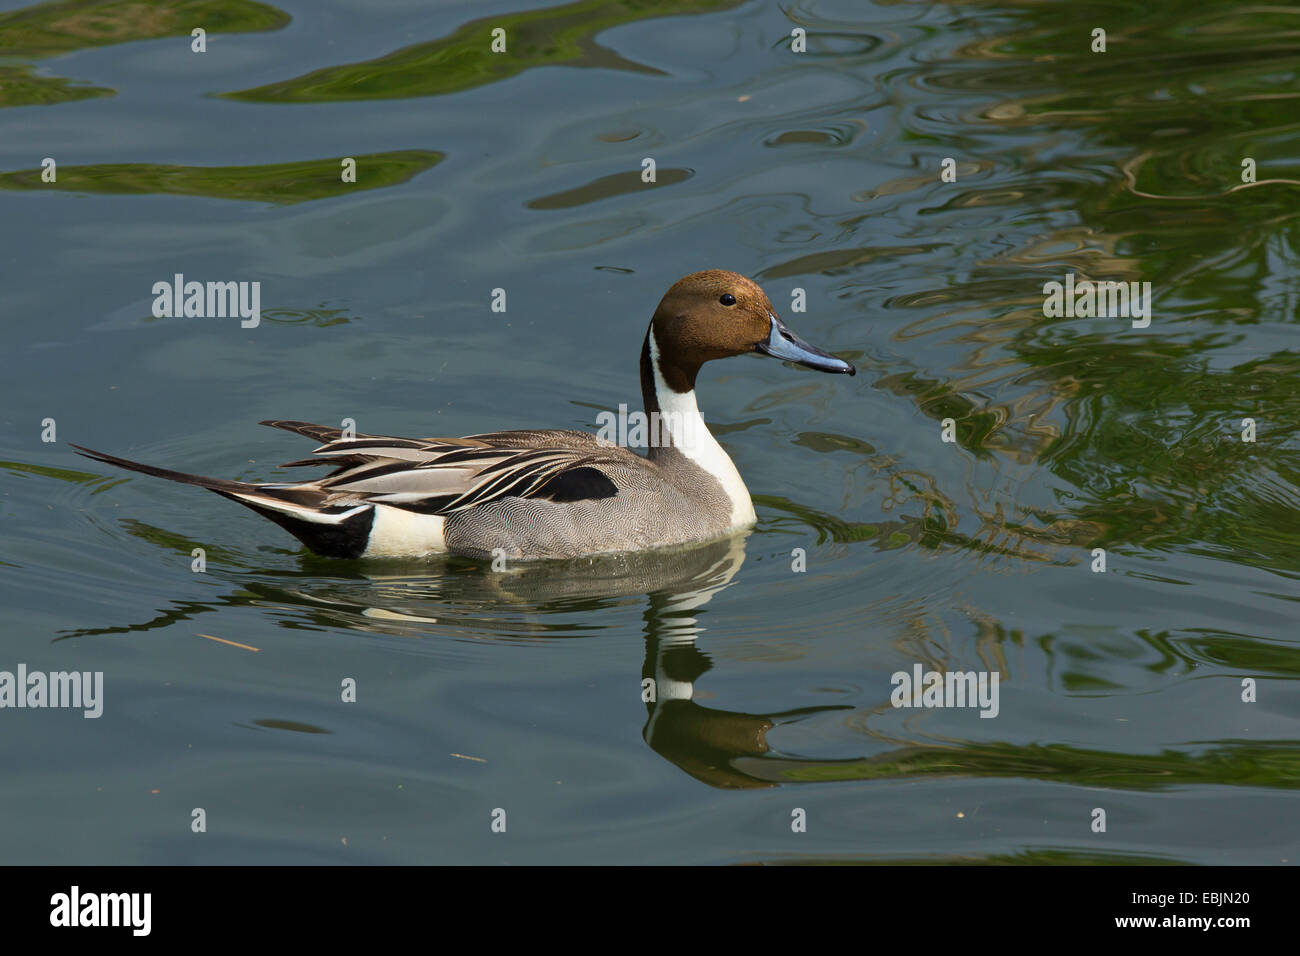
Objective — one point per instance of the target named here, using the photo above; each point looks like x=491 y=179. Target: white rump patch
x=398 y=533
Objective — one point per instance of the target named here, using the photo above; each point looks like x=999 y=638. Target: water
x=522 y=691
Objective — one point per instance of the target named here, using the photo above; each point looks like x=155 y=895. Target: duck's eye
x=727 y=299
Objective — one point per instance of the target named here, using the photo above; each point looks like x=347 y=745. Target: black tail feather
x=212 y=484
x=347 y=539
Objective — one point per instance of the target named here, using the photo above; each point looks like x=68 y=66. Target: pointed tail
x=219 y=485
x=336 y=531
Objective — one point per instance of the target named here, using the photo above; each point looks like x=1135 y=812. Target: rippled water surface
x=817 y=170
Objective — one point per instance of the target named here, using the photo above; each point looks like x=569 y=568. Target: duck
x=540 y=493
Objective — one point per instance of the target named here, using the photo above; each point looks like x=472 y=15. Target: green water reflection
x=282 y=183
x=49 y=29
x=556 y=36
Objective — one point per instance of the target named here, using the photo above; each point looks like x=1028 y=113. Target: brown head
x=716 y=314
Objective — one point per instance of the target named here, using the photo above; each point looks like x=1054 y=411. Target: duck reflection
x=723 y=748
x=526 y=601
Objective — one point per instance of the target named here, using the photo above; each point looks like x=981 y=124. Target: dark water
x=522 y=691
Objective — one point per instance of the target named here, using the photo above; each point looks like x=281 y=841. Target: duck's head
x=716 y=314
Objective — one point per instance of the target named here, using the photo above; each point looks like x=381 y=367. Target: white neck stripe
x=680 y=417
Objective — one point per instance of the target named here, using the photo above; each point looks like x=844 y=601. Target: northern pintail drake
x=541 y=494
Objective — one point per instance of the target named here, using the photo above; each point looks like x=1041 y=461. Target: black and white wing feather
x=441 y=476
